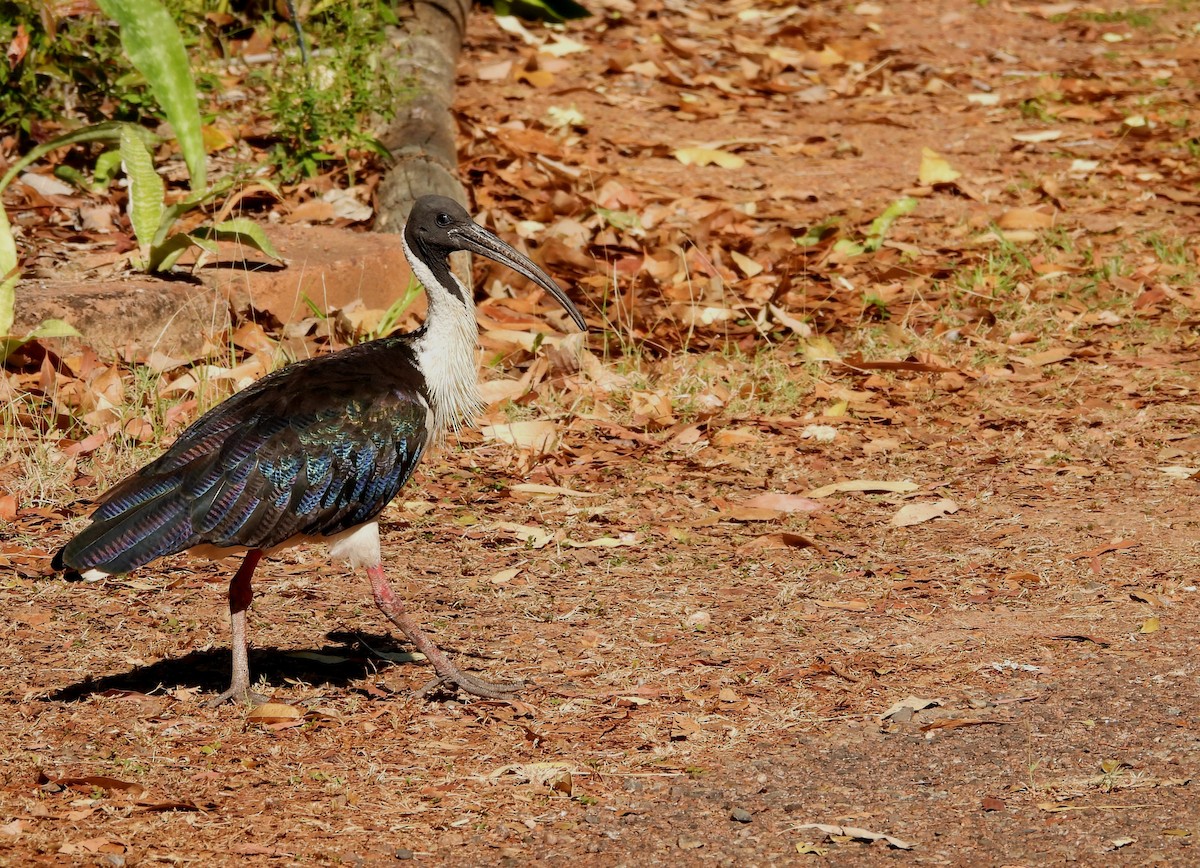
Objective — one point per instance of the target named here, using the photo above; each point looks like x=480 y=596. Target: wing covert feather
x=314 y=449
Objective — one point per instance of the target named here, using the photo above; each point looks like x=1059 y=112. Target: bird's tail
x=122 y=539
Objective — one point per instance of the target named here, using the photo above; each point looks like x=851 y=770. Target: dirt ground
x=727 y=661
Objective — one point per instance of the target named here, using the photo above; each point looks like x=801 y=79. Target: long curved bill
x=475 y=238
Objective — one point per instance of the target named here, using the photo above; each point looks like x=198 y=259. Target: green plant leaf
x=243 y=230
x=846 y=247
x=75 y=177
x=48 y=328
x=146 y=191
x=109 y=131
x=52 y=328
x=881 y=224
x=165 y=254
x=156 y=49
x=107 y=165
x=8 y=274
x=392 y=316
x=8 y=346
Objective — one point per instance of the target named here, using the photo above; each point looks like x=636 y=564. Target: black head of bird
x=316 y=450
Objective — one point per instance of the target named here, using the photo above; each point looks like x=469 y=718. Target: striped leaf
x=146 y=191
x=240 y=230
x=155 y=48
x=8 y=274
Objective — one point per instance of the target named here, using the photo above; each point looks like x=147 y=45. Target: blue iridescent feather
x=314 y=449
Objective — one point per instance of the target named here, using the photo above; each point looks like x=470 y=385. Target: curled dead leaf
x=91 y=782
x=604 y=542
x=783 y=540
x=916 y=513
x=1046 y=357
x=1025 y=218
x=701 y=156
x=959 y=723
x=557 y=776
x=534 y=537
x=727 y=437
x=274 y=712
x=935 y=169
x=854 y=833
x=550 y=490
x=539 y=436
x=906 y=707
x=784 y=502
x=850 y=485
x=844 y=605
x=745 y=264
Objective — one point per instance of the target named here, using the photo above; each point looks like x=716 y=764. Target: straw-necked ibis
x=316 y=450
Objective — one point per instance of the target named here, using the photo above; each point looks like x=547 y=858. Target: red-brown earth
x=716 y=671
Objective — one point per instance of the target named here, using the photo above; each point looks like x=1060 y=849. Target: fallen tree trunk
x=421 y=135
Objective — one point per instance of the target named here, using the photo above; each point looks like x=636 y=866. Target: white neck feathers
x=446 y=351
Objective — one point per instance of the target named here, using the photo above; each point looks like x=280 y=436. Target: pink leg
x=386 y=600
x=240 y=596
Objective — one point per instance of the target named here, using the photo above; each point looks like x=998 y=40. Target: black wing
x=315 y=448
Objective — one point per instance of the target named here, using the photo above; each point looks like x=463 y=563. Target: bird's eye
x=443 y=220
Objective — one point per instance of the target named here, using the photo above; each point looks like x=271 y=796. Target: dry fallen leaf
x=855 y=833
x=745 y=264
x=907 y=707
x=539 y=436
x=726 y=437
x=1037 y=136
x=274 y=712
x=849 y=485
x=784 y=502
x=783 y=540
x=701 y=156
x=935 y=169
x=504 y=576
x=534 y=537
x=844 y=605
x=959 y=723
x=916 y=513
x=557 y=776
x=1025 y=218
x=550 y=490
x=1045 y=357
x=606 y=542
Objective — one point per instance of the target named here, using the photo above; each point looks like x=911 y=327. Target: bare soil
x=710 y=677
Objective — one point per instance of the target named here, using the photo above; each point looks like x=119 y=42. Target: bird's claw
x=236 y=693
x=475 y=686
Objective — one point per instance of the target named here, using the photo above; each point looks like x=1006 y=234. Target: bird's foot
x=237 y=693
x=475 y=686
x=447 y=672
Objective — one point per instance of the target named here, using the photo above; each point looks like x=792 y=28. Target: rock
x=331 y=267
x=143 y=313
x=176 y=313
x=741 y=815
